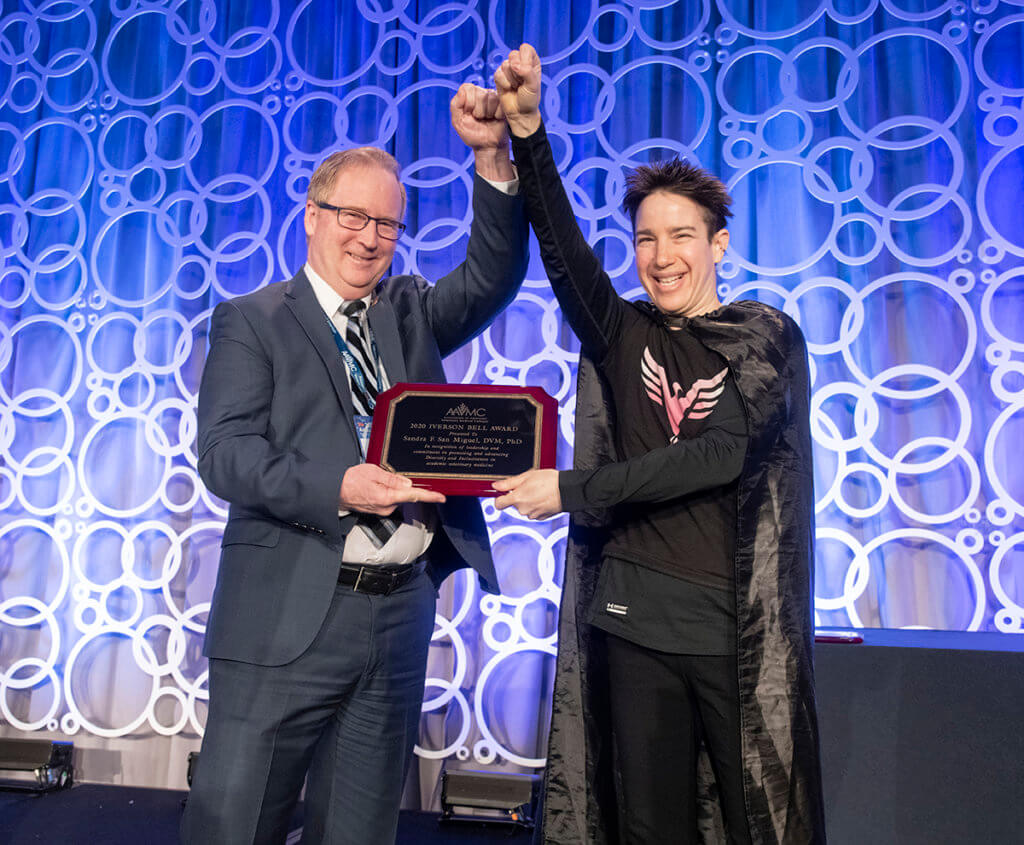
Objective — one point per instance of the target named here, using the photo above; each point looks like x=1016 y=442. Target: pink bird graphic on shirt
x=695 y=404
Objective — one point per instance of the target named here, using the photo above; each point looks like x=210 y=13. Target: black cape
x=767 y=357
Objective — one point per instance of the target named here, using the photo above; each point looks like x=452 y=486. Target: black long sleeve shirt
x=680 y=434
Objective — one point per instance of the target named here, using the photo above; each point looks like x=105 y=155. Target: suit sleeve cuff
x=510 y=188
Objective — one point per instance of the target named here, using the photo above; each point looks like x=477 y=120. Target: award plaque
x=458 y=438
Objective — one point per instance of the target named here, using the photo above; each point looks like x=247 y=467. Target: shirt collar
x=330 y=300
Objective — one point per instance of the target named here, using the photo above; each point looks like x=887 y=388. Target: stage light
x=488 y=797
x=35 y=765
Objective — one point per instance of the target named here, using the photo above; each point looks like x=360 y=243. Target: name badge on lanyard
x=363 y=425
x=362 y=422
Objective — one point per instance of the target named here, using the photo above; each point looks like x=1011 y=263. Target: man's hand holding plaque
x=459 y=439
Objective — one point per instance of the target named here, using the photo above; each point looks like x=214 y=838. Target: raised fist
x=518 y=85
x=477 y=118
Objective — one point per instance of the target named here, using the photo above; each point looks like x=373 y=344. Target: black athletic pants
x=661 y=706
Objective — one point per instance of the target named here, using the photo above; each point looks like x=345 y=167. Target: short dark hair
x=677 y=176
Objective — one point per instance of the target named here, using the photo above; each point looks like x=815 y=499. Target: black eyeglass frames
x=349 y=218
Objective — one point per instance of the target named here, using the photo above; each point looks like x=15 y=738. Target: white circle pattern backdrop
x=154 y=158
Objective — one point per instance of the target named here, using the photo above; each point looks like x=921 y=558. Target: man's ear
x=719 y=244
x=309 y=218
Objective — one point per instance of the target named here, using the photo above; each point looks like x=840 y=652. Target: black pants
x=662 y=705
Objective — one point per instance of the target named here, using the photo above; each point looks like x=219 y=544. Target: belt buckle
x=359 y=577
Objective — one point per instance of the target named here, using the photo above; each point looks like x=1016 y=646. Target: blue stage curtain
x=154 y=159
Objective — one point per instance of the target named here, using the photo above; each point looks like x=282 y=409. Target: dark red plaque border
x=462 y=484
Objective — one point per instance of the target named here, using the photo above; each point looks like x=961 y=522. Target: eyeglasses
x=349 y=218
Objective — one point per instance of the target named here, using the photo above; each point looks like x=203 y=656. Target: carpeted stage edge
x=92 y=813
x=921 y=745
x=102 y=814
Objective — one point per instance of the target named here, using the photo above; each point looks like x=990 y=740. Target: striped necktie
x=363 y=387
x=364 y=382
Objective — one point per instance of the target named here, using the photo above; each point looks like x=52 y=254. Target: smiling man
x=685 y=635
x=325 y=597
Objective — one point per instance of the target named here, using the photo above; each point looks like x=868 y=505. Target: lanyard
x=354 y=370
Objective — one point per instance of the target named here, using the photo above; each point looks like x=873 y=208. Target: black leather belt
x=377 y=580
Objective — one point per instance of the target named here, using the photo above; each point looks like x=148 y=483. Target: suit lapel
x=299 y=297
x=384 y=325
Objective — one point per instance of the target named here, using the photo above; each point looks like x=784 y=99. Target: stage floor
x=920 y=746
x=90 y=814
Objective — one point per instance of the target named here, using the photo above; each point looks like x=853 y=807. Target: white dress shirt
x=417 y=519
x=416 y=529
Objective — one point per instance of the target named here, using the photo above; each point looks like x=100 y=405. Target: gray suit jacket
x=276 y=433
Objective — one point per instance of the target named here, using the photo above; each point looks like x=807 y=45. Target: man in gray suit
x=324 y=604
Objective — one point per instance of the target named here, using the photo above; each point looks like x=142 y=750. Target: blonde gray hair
x=324 y=177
